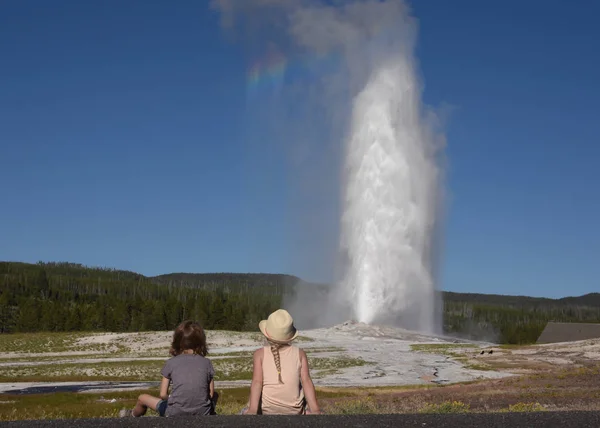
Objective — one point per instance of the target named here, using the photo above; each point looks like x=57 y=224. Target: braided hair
x=275 y=350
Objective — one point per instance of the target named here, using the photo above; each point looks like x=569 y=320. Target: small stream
x=79 y=387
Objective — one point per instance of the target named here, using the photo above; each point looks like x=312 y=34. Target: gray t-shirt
x=190 y=377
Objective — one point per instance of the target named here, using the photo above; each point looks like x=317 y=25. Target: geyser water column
x=390 y=201
x=351 y=62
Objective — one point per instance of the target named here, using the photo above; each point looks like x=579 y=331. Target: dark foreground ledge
x=467 y=420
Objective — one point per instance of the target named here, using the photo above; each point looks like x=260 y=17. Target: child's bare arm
x=307 y=384
x=257 y=381
x=211 y=388
x=164 y=388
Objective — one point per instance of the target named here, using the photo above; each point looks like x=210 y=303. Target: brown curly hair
x=189 y=335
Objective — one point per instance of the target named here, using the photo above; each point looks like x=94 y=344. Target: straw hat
x=279 y=327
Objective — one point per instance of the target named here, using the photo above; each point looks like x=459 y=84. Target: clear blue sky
x=122 y=142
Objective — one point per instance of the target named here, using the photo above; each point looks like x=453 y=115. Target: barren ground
x=355 y=367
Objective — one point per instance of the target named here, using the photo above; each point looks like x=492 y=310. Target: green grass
x=446 y=407
x=512 y=346
x=83 y=357
x=233 y=336
x=322 y=367
x=66 y=342
x=369 y=391
x=38 y=342
x=480 y=367
x=241 y=368
x=321 y=363
x=247 y=354
x=356 y=400
x=138 y=356
x=356 y=406
x=524 y=407
x=70 y=405
x=440 y=348
x=142 y=370
x=237 y=366
x=381 y=402
x=449 y=349
x=324 y=349
x=99 y=405
x=65 y=405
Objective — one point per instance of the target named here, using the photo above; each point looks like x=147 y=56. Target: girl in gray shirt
x=190 y=375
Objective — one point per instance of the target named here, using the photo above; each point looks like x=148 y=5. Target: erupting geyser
x=390 y=201
x=390 y=178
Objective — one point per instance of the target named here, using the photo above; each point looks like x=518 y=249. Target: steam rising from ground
x=383 y=156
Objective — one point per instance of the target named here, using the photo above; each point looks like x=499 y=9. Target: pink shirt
x=286 y=398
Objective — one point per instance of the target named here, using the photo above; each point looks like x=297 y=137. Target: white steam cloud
x=370 y=181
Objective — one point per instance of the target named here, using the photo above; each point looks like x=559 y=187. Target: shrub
x=446 y=407
x=526 y=407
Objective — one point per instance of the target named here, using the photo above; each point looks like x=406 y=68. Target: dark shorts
x=161 y=407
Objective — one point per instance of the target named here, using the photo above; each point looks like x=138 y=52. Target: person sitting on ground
x=188 y=372
x=281 y=382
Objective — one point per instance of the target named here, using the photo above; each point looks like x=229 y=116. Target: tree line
x=73 y=297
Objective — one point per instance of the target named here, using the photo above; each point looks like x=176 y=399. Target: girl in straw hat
x=281 y=382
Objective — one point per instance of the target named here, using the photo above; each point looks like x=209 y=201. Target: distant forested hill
x=592 y=299
x=230 y=282
x=72 y=297
x=513 y=319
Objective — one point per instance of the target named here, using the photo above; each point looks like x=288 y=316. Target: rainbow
x=267 y=73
